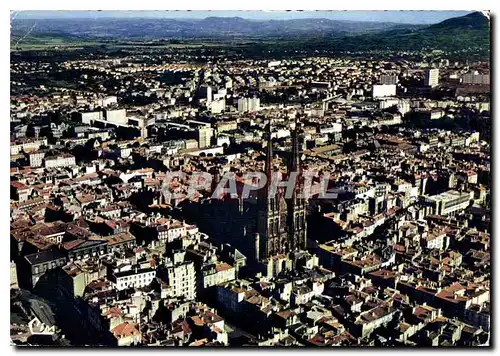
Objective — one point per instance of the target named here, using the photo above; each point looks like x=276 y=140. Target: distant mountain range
x=458 y=33
x=209 y=27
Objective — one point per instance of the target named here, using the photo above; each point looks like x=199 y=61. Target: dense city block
x=391 y=247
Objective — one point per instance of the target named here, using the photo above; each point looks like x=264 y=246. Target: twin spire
x=269 y=153
x=294 y=165
x=295 y=160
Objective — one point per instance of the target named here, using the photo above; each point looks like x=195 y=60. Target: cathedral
x=264 y=225
x=281 y=226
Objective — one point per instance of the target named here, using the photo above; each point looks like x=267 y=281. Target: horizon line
x=380 y=16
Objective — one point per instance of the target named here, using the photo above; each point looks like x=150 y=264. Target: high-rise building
x=248 y=104
x=388 y=79
x=431 y=77
x=476 y=78
x=217 y=106
x=205 y=137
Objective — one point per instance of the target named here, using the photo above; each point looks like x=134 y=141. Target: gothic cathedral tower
x=271 y=226
x=296 y=205
x=281 y=225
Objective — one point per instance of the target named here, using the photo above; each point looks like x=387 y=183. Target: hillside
x=465 y=34
x=457 y=34
x=475 y=20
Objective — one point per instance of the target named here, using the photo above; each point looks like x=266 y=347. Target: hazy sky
x=414 y=17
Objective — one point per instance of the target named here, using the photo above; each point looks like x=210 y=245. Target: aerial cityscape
x=245 y=178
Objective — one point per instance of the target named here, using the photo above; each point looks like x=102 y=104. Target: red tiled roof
x=125 y=329
x=72 y=244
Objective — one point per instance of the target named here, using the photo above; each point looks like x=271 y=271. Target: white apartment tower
x=248 y=104
x=431 y=77
x=205 y=137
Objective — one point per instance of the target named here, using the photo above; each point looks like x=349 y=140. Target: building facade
x=431 y=77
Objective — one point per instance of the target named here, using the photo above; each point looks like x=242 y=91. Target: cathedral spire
x=296 y=224
x=269 y=153
x=272 y=201
x=294 y=165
